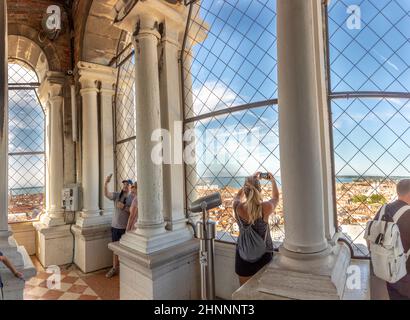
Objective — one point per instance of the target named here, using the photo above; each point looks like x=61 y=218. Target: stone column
x=13 y=288
x=4 y=127
x=51 y=92
x=90 y=151
x=159 y=260
x=148 y=118
x=107 y=140
x=54 y=244
x=308 y=266
x=92 y=229
x=299 y=135
x=172 y=121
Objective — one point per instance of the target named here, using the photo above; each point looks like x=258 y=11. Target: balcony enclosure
x=315 y=92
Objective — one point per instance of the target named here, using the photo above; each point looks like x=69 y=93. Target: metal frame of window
x=124 y=55
x=335 y=95
x=30 y=86
x=214 y=114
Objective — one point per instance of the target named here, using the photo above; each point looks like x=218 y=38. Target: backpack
x=386 y=249
x=251 y=245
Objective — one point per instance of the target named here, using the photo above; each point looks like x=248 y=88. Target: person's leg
x=114 y=270
x=394 y=294
x=116 y=262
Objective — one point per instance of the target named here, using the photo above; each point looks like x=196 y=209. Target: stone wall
x=25 y=19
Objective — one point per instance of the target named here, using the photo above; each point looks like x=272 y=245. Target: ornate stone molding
x=90 y=74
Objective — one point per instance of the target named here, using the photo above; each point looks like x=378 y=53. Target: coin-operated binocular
x=206 y=232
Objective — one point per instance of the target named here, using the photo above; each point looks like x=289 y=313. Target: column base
x=53 y=219
x=91 y=247
x=13 y=287
x=322 y=277
x=87 y=219
x=149 y=244
x=54 y=245
x=169 y=274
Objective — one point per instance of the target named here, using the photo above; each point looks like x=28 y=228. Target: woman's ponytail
x=254 y=199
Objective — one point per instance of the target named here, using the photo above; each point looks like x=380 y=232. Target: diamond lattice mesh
x=237 y=62
x=125 y=117
x=369 y=50
x=229 y=148
x=26 y=146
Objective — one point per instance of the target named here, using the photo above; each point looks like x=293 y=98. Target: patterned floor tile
x=74 y=285
x=70 y=296
x=77 y=289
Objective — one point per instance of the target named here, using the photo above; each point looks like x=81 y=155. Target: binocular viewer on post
x=206 y=232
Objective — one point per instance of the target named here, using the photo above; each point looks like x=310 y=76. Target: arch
x=25 y=45
x=27 y=51
x=100 y=38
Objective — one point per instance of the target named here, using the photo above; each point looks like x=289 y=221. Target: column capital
x=130 y=12
x=52 y=86
x=90 y=74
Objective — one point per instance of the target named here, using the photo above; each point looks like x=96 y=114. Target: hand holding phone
x=267 y=176
x=108 y=179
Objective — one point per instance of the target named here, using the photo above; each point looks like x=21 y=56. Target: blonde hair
x=253 y=204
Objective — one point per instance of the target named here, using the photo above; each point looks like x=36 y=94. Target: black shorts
x=248 y=269
x=116 y=234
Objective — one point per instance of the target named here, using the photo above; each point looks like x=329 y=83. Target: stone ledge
x=159 y=258
x=299 y=279
x=93 y=232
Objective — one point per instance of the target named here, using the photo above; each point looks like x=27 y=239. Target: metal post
x=206 y=231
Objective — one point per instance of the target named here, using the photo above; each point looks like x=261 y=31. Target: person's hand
x=120 y=205
x=257 y=175
x=19 y=275
x=271 y=177
x=108 y=179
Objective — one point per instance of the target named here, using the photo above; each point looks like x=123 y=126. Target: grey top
x=261 y=227
x=120 y=218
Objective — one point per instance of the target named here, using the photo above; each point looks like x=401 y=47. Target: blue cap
x=129 y=181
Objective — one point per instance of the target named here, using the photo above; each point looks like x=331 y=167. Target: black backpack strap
x=238 y=219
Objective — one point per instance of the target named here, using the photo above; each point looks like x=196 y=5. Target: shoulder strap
x=399 y=213
x=238 y=219
x=382 y=212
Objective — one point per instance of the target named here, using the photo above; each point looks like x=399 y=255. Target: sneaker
x=113 y=272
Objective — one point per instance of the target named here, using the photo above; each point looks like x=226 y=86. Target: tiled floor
x=75 y=285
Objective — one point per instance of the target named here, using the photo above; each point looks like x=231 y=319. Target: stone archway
x=24 y=44
x=100 y=38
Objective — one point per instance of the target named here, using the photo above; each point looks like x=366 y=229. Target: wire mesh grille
x=230 y=79
x=26 y=146
x=236 y=63
x=369 y=48
x=125 y=117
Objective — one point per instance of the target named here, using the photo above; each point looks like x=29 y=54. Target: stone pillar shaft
x=107 y=143
x=90 y=150
x=172 y=117
x=4 y=126
x=148 y=119
x=51 y=95
x=299 y=128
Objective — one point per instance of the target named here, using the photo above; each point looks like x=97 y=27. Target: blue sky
x=372 y=58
